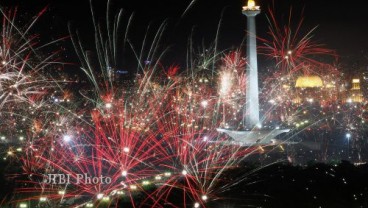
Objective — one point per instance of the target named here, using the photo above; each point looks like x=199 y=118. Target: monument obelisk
x=251 y=118
x=253 y=134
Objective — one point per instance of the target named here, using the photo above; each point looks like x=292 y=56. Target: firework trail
x=30 y=106
x=292 y=50
x=296 y=55
x=150 y=130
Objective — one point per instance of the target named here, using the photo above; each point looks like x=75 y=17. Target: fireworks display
x=148 y=136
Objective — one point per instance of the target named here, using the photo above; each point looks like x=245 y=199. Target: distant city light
x=348 y=135
x=100 y=196
x=67 y=138
x=204 y=197
x=105 y=198
x=356 y=81
x=108 y=105
x=204 y=103
x=23 y=205
x=272 y=101
x=126 y=149
x=122 y=72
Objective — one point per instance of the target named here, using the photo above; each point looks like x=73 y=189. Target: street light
x=348 y=136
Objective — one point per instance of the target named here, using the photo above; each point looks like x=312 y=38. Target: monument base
x=256 y=136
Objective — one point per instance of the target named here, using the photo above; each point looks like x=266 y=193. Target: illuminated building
x=309 y=82
x=325 y=90
x=307 y=88
x=356 y=95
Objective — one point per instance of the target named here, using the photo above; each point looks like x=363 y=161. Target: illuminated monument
x=252 y=105
x=254 y=134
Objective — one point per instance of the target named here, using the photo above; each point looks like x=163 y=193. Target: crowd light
x=100 y=196
x=204 y=103
x=204 y=197
x=108 y=105
x=105 y=198
x=23 y=205
x=67 y=138
x=126 y=149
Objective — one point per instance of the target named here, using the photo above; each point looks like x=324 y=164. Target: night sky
x=341 y=27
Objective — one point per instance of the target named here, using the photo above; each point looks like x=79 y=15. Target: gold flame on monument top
x=251 y=5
